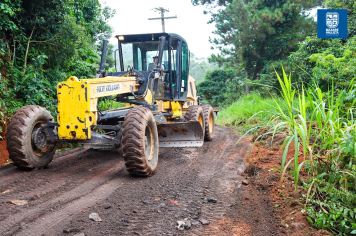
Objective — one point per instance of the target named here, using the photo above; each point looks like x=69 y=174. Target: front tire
x=140 y=142
x=20 y=145
x=194 y=113
x=209 y=120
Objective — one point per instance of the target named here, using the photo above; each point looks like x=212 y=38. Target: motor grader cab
x=161 y=108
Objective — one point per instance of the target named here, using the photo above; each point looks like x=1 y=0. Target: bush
x=220 y=86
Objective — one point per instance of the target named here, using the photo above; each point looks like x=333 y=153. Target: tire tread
x=133 y=142
x=207 y=109
x=16 y=135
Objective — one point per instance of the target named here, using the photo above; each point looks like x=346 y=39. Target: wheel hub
x=39 y=139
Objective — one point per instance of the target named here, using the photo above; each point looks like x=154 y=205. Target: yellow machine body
x=78 y=99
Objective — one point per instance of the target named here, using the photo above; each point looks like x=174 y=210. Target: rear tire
x=140 y=142
x=20 y=145
x=193 y=113
x=209 y=120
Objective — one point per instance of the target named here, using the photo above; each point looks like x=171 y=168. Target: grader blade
x=182 y=134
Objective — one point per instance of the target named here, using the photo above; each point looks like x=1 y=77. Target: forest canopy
x=257 y=35
x=257 y=38
x=43 y=42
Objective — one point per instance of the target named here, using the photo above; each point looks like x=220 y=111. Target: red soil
x=4 y=155
x=262 y=170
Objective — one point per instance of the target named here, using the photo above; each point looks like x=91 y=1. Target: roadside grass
x=249 y=113
x=322 y=126
x=327 y=137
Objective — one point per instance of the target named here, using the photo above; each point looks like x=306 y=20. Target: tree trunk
x=28 y=45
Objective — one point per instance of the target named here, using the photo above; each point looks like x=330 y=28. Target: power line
x=162 y=18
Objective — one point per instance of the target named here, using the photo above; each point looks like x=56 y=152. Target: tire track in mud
x=8 y=173
x=97 y=187
x=47 y=181
x=53 y=184
x=70 y=176
x=85 y=195
x=226 y=160
x=152 y=206
x=137 y=206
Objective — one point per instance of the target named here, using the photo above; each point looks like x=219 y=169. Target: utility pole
x=162 y=18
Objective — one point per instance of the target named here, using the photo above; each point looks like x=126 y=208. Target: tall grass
x=325 y=128
x=321 y=125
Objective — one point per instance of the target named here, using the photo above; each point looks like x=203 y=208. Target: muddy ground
x=79 y=182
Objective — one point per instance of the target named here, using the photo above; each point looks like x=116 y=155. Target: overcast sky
x=191 y=23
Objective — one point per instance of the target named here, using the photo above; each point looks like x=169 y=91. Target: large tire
x=193 y=113
x=140 y=144
x=20 y=145
x=209 y=120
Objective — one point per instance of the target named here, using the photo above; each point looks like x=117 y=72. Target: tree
x=254 y=34
x=327 y=61
x=90 y=14
x=43 y=42
x=218 y=86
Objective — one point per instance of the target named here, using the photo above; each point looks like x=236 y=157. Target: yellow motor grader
x=161 y=108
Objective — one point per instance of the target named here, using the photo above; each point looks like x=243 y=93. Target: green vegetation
x=256 y=36
x=108 y=103
x=249 y=113
x=327 y=137
x=44 y=42
x=327 y=61
x=314 y=105
x=322 y=126
x=219 y=87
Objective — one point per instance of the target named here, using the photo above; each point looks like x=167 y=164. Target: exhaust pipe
x=103 y=57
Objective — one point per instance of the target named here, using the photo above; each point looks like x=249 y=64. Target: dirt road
x=79 y=182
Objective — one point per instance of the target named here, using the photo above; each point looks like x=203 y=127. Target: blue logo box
x=332 y=23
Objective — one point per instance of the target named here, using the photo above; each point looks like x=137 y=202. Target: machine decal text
x=108 y=88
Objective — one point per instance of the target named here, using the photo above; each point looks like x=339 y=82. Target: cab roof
x=148 y=37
